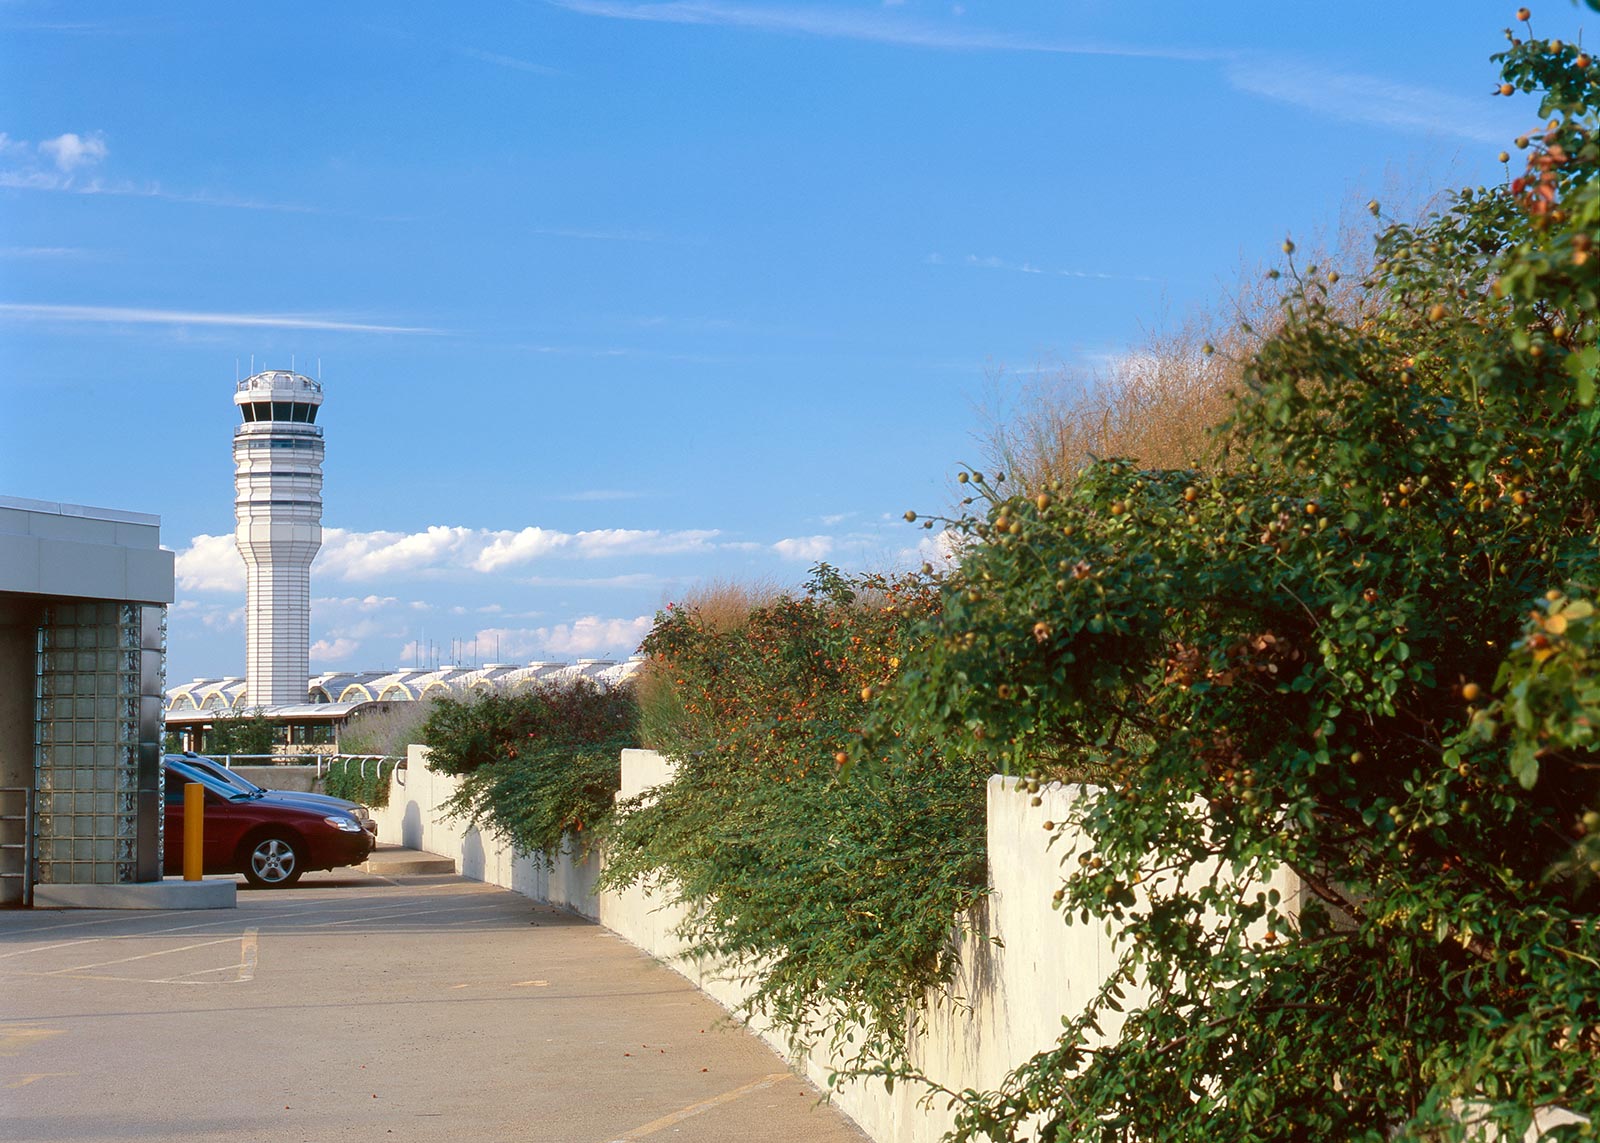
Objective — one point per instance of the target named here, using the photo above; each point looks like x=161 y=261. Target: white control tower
x=277 y=464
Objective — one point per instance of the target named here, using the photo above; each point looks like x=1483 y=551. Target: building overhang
x=67 y=550
x=298 y=712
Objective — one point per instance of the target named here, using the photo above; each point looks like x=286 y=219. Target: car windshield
x=221 y=773
x=187 y=773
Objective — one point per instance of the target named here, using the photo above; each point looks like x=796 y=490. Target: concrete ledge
x=397 y=861
x=141 y=895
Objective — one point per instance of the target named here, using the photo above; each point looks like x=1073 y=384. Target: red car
x=271 y=842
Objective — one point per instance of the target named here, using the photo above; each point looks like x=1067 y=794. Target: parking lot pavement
x=356 y=1007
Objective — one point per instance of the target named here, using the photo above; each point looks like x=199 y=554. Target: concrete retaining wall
x=413 y=819
x=1013 y=987
x=1022 y=966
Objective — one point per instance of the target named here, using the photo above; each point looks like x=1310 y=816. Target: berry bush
x=1360 y=650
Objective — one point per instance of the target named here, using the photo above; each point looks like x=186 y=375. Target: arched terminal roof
x=345 y=687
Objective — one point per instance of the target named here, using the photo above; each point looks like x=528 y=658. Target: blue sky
x=610 y=298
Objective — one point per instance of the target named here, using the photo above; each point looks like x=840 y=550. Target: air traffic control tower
x=277 y=464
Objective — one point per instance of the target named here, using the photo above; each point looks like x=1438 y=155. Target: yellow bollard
x=194 y=830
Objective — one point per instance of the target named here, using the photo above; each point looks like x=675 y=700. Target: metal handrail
x=26 y=845
x=321 y=761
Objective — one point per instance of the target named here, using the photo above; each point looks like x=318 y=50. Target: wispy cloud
x=877 y=26
x=499 y=60
x=1371 y=99
x=1326 y=91
x=593 y=495
x=628 y=581
x=602 y=235
x=67 y=163
x=991 y=262
x=39 y=180
x=42 y=252
x=128 y=315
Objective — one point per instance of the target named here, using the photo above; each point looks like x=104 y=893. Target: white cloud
x=129 y=315
x=366 y=555
x=631 y=542
x=809 y=548
x=591 y=635
x=334 y=650
x=943 y=550
x=374 y=555
x=210 y=563
x=71 y=151
x=355 y=603
x=216 y=616
x=507 y=549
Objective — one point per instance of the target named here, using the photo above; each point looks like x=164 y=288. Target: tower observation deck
x=277 y=464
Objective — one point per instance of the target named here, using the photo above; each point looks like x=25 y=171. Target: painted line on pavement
x=15 y=1037
x=33 y=1077
x=141 y=956
x=700 y=1108
x=244 y=971
x=54 y=926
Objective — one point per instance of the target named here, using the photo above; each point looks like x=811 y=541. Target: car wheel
x=272 y=862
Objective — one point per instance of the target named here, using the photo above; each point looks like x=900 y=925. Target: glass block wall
x=98 y=743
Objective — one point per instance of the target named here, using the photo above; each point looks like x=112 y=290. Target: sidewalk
x=426 y=1009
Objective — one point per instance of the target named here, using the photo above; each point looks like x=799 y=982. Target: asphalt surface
x=358 y=1007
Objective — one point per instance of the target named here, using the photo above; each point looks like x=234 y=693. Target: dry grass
x=385 y=731
x=723 y=605
x=1162 y=403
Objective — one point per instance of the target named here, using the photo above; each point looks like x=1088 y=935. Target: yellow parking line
x=32 y=1077
x=15 y=1037
x=697 y=1108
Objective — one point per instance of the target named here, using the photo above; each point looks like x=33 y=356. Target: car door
x=224 y=824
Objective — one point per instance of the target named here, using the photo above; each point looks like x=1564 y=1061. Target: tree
x=1362 y=651
x=249 y=733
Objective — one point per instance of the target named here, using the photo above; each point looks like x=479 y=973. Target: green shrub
x=535 y=764
x=844 y=890
x=1365 y=654
x=364 y=780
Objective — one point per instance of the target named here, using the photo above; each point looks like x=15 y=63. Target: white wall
x=413 y=819
x=1013 y=990
x=1022 y=965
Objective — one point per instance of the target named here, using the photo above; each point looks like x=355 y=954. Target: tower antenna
x=291 y=363
x=252 y=365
